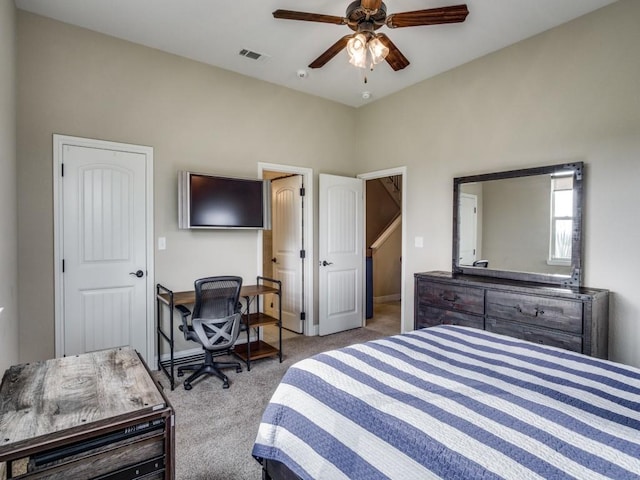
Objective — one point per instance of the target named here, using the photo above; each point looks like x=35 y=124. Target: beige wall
x=196 y=117
x=568 y=94
x=572 y=93
x=8 y=195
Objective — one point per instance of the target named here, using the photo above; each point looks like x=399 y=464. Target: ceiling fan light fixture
x=366 y=51
x=378 y=50
x=357 y=50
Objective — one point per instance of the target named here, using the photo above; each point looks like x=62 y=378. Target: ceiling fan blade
x=309 y=17
x=370 y=4
x=394 y=58
x=331 y=52
x=431 y=16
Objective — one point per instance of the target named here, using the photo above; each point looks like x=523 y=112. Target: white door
x=341 y=254
x=286 y=225
x=104 y=204
x=468 y=214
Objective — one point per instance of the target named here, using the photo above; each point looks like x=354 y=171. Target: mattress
x=454 y=402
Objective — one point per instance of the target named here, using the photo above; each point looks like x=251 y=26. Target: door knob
x=138 y=274
x=274 y=260
x=325 y=263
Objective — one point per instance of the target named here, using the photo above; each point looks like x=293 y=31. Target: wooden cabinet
x=97 y=415
x=570 y=318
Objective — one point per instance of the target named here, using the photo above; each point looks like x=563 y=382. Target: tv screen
x=209 y=201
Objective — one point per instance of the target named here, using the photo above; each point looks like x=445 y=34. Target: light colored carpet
x=216 y=428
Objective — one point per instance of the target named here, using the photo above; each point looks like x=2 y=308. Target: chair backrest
x=216 y=313
x=217 y=297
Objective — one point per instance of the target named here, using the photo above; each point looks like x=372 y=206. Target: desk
x=98 y=414
x=251 y=320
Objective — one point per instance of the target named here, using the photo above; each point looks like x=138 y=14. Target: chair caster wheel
x=225 y=385
x=238 y=369
x=187 y=386
x=180 y=373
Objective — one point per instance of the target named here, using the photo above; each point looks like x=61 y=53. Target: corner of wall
x=8 y=191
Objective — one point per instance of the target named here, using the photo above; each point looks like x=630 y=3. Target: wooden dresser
x=97 y=415
x=571 y=318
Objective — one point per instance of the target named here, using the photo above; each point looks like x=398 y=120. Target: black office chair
x=215 y=324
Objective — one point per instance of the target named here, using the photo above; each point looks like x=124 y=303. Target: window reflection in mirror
x=561 y=219
x=518 y=224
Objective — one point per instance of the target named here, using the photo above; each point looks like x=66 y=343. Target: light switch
x=419 y=242
x=162 y=243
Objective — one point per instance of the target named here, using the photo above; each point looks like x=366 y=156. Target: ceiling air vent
x=253 y=55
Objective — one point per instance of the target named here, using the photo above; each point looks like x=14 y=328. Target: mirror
x=520 y=224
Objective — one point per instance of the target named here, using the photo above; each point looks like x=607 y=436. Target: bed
x=452 y=402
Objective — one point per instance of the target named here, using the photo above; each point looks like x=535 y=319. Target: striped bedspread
x=454 y=402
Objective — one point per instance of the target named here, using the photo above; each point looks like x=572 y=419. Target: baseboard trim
x=387 y=298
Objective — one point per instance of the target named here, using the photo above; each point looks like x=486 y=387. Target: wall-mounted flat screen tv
x=210 y=201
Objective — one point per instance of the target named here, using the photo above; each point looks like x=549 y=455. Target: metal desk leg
x=248 y=313
x=161 y=334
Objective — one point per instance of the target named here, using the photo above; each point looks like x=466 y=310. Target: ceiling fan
x=366 y=47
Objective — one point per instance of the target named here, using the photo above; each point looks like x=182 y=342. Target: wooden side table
x=94 y=415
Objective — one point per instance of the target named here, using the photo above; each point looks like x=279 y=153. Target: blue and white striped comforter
x=454 y=402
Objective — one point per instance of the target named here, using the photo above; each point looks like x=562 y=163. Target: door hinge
x=303 y=316
x=303 y=254
x=302 y=191
x=62 y=169
x=63 y=265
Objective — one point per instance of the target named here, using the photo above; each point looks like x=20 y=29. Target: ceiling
x=214 y=32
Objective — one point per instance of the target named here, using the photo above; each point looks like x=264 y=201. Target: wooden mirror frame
x=574 y=279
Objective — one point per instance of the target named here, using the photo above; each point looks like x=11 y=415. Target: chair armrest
x=184 y=328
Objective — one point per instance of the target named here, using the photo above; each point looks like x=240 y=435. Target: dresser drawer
x=555 y=313
x=535 y=335
x=452 y=297
x=427 y=316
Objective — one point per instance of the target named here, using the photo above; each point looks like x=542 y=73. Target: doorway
x=103 y=246
x=286 y=251
x=385 y=200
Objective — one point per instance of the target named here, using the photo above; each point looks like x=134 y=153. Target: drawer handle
x=535 y=313
x=453 y=299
